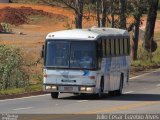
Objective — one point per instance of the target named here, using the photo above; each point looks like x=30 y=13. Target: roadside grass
x=146 y=60
x=38 y=19
x=157 y=37
x=27 y=89
x=27 y=1
x=158 y=15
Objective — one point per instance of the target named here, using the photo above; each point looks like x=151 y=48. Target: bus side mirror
x=42 y=52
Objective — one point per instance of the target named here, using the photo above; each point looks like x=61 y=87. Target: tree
x=78 y=8
x=137 y=8
x=149 y=43
x=75 y=5
x=104 y=8
x=122 y=8
x=101 y=7
x=98 y=12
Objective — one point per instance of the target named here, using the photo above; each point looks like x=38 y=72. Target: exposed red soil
x=18 y=16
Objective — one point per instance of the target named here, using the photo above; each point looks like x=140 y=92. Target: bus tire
x=111 y=93
x=100 y=93
x=54 y=95
x=119 y=91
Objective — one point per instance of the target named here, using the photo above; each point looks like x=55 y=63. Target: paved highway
x=141 y=96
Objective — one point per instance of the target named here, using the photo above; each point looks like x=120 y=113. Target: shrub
x=12 y=74
x=146 y=59
x=6 y=27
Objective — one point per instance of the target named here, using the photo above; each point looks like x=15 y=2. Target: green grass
x=147 y=60
x=32 y=88
x=38 y=19
x=158 y=15
x=27 y=1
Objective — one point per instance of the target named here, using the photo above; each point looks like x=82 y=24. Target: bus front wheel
x=54 y=95
x=100 y=93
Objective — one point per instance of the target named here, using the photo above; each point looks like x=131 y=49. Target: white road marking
x=82 y=101
x=22 y=108
x=144 y=74
x=24 y=97
x=158 y=85
x=128 y=92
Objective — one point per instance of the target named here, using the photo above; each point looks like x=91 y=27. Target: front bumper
x=69 y=88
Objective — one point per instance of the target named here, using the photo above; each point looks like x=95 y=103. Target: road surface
x=141 y=96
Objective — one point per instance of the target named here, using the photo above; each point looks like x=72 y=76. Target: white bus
x=93 y=61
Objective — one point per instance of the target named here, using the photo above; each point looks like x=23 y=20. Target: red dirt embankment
x=54 y=10
x=18 y=16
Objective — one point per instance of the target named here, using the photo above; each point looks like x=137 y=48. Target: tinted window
x=121 y=47
x=71 y=54
x=117 y=47
x=108 y=47
x=113 y=47
x=83 y=55
x=125 y=46
x=103 y=48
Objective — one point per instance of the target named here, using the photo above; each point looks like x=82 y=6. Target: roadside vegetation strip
x=21 y=98
x=21 y=92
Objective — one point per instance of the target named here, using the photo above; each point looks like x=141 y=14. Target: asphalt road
x=141 y=96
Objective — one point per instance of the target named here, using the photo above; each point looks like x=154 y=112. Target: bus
x=86 y=61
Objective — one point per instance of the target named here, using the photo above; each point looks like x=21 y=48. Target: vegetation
x=149 y=43
x=6 y=27
x=146 y=60
x=31 y=88
x=75 y=5
x=14 y=77
x=12 y=74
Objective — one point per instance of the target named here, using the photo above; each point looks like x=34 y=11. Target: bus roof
x=87 y=34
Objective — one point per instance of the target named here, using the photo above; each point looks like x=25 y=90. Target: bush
x=146 y=59
x=6 y=27
x=12 y=74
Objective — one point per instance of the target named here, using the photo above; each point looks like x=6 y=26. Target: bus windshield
x=67 y=54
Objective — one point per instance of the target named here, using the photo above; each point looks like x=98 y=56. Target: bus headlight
x=48 y=87
x=54 y=87
x=89 y=89
x=83 y=88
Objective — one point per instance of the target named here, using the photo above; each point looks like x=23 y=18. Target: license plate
x=66 y=88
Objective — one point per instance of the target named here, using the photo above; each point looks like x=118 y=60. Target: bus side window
x=117 y=47
x=121 y=47
x=128 y=41
x=112 y=47
x=103 y=48
x=125 y=46
x=99 y=48
x=108 y=48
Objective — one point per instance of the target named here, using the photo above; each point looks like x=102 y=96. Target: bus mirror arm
x=42 y=51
